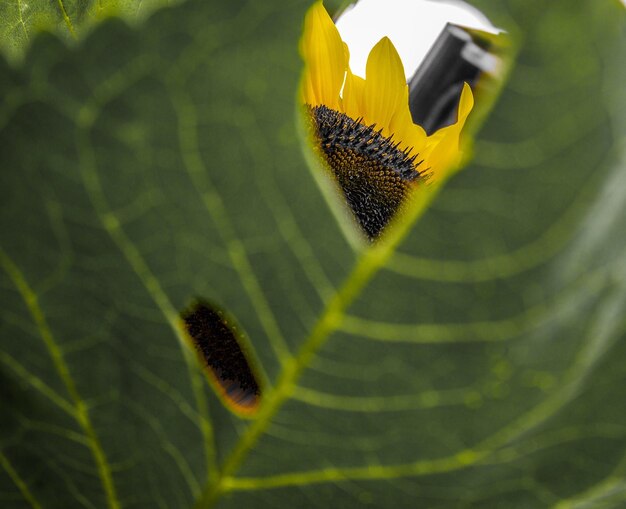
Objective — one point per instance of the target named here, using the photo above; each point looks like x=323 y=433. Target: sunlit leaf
x=21 y=20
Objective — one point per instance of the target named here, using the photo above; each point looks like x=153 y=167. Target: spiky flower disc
x=373 y=173
x=374 y=170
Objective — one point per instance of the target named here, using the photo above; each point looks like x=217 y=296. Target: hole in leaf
x=218 y=342
x=385 y=112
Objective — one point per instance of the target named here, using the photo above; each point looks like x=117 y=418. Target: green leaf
x=475 y=359
x=21 y=20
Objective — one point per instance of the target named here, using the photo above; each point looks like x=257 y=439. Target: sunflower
x=363 y=128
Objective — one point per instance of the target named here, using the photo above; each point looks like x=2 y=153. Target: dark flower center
x=215 y=339
x=373 y=173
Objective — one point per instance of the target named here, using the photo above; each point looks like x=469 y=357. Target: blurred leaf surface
x=21 y=20
x=478 y=361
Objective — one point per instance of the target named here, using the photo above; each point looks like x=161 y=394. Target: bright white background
x=412 y=26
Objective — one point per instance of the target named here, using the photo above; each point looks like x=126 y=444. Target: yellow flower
x=363 y=127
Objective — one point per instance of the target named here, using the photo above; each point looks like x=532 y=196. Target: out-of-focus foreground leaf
x=21 y=20
x=478 y=363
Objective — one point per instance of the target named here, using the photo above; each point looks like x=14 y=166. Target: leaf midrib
x=370 y=261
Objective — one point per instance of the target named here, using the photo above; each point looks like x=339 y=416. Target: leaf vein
x=18 y=481
x=81 y=413
x=194 y=165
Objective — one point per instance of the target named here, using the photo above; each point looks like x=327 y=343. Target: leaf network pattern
x=474 y=358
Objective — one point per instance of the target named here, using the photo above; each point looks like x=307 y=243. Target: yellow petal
x=385 y=86
x=465 y=104
x=325 y=59
x=411 y=137
x=442 y=150
x=353 y=95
